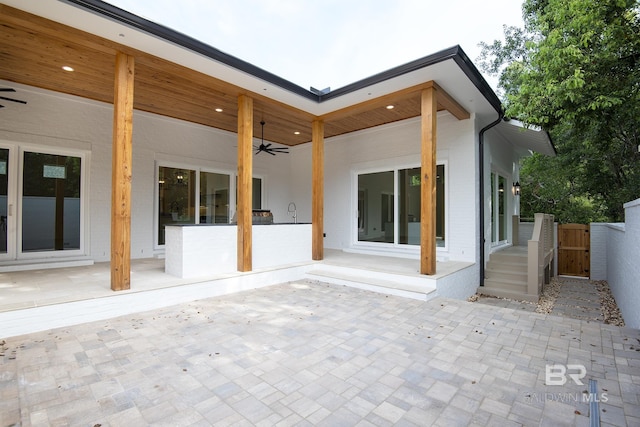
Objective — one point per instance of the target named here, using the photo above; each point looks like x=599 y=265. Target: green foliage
x=575 y=70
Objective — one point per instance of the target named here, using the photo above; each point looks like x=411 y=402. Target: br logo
x=557 y=374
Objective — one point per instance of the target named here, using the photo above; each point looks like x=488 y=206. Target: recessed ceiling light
x=219 y=110
x=67 y=68
x=389 y=107
x=296 y=133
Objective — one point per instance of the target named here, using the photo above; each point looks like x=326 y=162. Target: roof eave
x=162 y=32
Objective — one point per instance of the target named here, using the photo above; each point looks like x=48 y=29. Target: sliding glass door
x=51 y=202
x=389 y=207
x=498 y=209
x=41 y=203
x=4 y=201
x=195 y=196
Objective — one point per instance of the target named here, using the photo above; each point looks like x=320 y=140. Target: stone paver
x=316 y=354
x=578 y=299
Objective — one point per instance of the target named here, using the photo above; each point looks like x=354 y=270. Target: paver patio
x=309 y=353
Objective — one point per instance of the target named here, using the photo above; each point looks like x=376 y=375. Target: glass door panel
x=4 y=199
x=409 y=206
x=498 y=209
x=502 y=201
x=176 y=198
x=50 y=202
x=380 y=198
x=214 y=198
x=494 y=225
x=376 y=217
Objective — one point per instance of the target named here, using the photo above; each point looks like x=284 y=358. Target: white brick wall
x=57 y=120
x=615 y=257
x=390 y=146
x=207 y=250
x=598 y=250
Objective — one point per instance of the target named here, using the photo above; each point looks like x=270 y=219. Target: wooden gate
x=573 y=250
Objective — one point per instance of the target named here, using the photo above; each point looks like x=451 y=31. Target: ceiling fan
x=10 y=99
x=267 y=148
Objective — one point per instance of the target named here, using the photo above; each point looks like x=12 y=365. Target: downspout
x=481 y=164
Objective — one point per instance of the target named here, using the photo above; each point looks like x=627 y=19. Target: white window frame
x=233 y=176
x=84 y=201
x=395 y=247
x=497 y=172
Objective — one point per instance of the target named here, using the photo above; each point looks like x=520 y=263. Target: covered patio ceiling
x=34 y=49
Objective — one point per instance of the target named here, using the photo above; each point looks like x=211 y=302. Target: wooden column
x=121 y=173
x=428 y=182
x=317 y=202
x=245 y=166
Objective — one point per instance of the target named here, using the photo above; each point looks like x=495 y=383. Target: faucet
x=294 y=211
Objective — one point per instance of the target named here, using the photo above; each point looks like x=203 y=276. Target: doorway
x=573 y=250
x=41 y=203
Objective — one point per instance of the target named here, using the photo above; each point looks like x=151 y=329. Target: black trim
x=476 y=78
x=455 y=53
x=481 y=190
x=417 y=64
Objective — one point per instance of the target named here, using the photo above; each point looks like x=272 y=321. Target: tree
x=574 y=70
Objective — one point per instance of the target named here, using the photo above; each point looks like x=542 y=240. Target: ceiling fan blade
x=1 y=106
x=7 y=89
x=270 y=152
x=13 y=100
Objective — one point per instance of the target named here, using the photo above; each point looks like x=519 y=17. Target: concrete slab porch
x=36 y=300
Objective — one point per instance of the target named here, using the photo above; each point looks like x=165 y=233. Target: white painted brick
x=615 y=257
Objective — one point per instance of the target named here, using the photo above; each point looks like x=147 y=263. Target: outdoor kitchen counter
x=208 y=249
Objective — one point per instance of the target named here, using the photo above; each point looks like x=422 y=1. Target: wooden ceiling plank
x=41 y=26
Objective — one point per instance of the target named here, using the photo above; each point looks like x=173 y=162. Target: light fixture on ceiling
x=67 y=68
x=219 y=110
x=390 y=107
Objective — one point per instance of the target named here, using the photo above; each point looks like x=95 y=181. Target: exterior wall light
x=516 y=188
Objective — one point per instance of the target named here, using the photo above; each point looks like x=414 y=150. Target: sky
x=332 y=43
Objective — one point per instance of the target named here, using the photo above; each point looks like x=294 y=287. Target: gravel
x=608 y=307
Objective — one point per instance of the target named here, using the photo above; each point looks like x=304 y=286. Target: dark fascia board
x=456 y=53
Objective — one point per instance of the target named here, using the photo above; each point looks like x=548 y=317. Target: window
x=194 y=196
x=42 y=202
x=214 y=198
x=50 y=202
x=498 y=209
x=389 y=206
x=176 y=198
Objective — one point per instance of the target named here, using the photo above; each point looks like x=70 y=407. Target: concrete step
x=386 y=283
x=507 y=266
x=508 y=286
x=506 y=275
x=490 y=290
x=509 y=257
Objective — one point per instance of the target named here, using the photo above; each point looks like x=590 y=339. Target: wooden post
x=121 y=173
x=428 y=182
x=317 y=141
x=245 y=166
